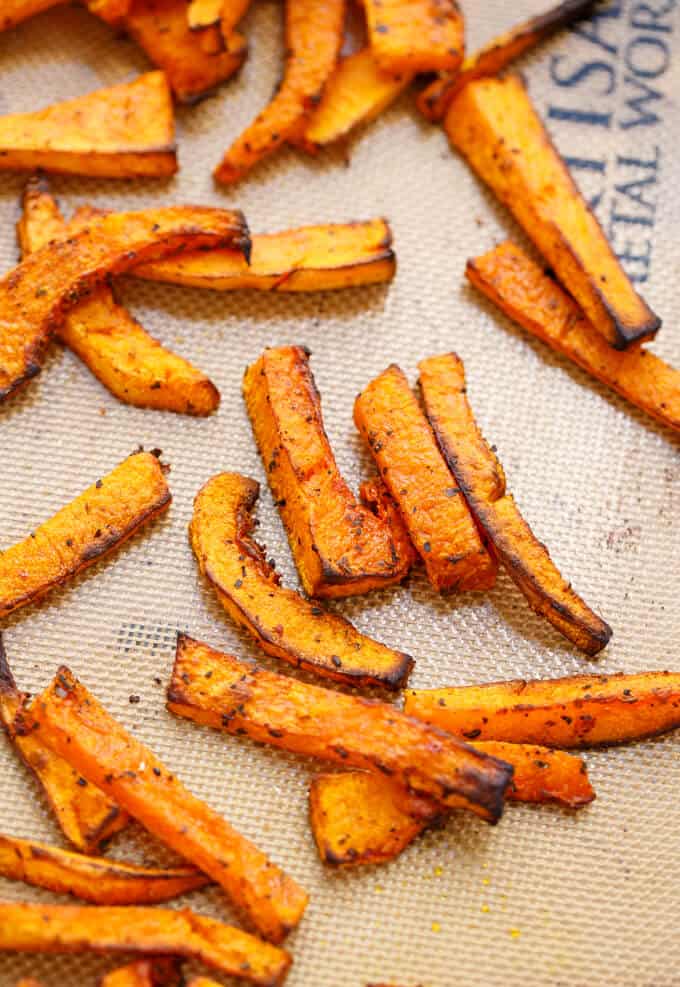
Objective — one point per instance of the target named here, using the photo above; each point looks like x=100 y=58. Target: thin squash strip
x=314 y=31
x=283 y=623
x=339 y=546
x=219 y=691
x=482 y=480
x=576 y=711
x=531 y=298
x=159 y=972
x=415 y=35
x=89 y=527
x=494 y=125
x=28 y=928
x=13 y=12
x=70 y=720
x=412 y=468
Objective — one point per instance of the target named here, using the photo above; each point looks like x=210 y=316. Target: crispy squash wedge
x=374 y=494
x=111 y=11
x=70 y=720
x=89 y=527
x=576 y=711
x=159 y=972
x=434 y=101
x=531 y=298
x=310 y=258
x=98 y=880
x=339 y=546
x=87 y=817
x=35 y=295
x=283 y=623
x=482 y=480
x=314 y=32
x=494 y=125
x=13 y=12
x=218 y=690
x=126 y=131
x=412 y=468
x=27 y=928
x=415 y=35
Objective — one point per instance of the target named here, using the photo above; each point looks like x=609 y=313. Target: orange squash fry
x=159 y=972
x=71 y=721
x=314 y=31
x=434 y=101
x=13 y=12
x=482 y=480
x=415 y=35
x=374 y=494
x=233 y=12
x=204 y=13
x=28 y=928
x=531 y=298
x=219 y=691
x=576 y=711
x=412 y=468
x=494 y=125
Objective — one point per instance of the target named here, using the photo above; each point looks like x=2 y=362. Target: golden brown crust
x=415 y=35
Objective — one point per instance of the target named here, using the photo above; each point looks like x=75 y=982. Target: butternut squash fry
x=219 y=691
x=160 y=972
x=15 y=11
x=310 y=258
x=374 y=494
x=576 y=711
x=283 y=623
x=111 y=11
x=412 y=468
x=492 y=122
x=35 y=295
x=415 y=35
x=434 y=101
x=233 y=12
x=89 y=527
x=27 y=928
x=314 y=31
x=482 y=480
x=531 y=298
x=70 y=720
x=339 y=546
x=125 y=131
x=204 y=13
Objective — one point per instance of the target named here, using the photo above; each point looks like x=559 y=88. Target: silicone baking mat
x=546 y=897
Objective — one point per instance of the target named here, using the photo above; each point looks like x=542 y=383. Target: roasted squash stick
x=434 y=101
x=70 y=720
x=126 y=131
x=87 y=817
x=117 y=349
x=35 y=295
x=314 y=32
x=98 y=880
x=310 y=258
x=13 y=12
x=160 y=972
x=339 y=546
x=576 y=711
x=27 y=928
x=161 y=29
x=482 y=480
x=412 y=468
x=89 y=527
x=415 y=35
x=219 y=691
x=494 y=125
x=537 y=302
x=283 y=623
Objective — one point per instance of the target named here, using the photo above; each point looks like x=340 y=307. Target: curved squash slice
x=159 y=972
x=415 y=35
x=283 y=623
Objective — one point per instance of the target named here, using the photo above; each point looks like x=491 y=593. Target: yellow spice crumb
x=485 y=909
x=379 y=889
x=438 y=871
x=515 y=933
x=486 y=881
x=436 y=927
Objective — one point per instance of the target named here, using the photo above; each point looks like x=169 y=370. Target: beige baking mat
x=547 y=897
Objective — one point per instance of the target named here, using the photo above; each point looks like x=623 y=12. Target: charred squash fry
x=482 y=480
x=493 y=124
x=339 y=546
x=434 y=101
x=534 y=300
x=310 y=258
x=35 y=295
x=111 y=11
x=27 y=928
x=577 y=711
x=126 y=131
x=13 y=12
x=283 y=623
x=374 y=494
x=161 y=29
x=159 y=972
x=95 y=879
x=415 y=35
x=314 y=32
x=87 y=817
x=89 y=527
x=70 y=720
x=432 y=506
x=219 y=691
